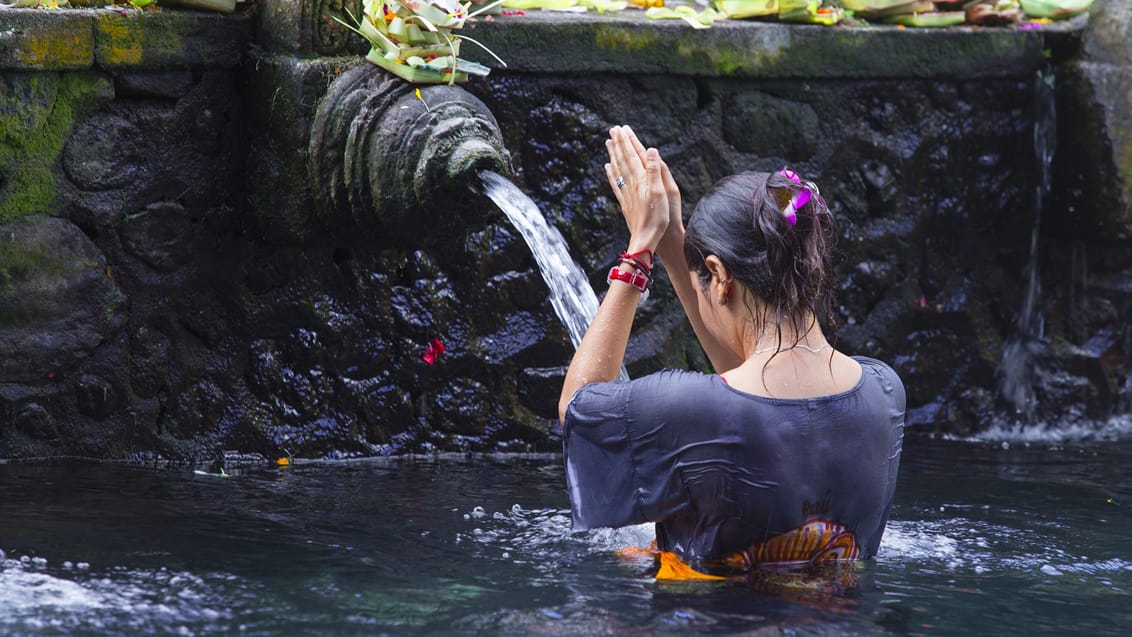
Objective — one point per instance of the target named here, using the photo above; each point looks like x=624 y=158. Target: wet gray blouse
x=718 y=469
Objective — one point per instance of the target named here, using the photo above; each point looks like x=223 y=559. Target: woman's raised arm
x=637 y=184
x=671 y=253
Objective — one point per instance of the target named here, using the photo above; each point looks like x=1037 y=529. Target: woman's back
x=723 y=471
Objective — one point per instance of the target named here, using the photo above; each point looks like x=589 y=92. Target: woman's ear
x=719 y=275
x=717 y=269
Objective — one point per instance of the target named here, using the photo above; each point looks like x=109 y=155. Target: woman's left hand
x=641 y=193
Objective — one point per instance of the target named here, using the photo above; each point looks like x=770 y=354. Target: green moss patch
x=20 y=260
x=37 y=112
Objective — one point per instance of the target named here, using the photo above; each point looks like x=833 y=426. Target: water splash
x=1118 y=427
x=36 y=598
x=571 y=296
x=967 y=544
x=1018 y=367
x=544 y=537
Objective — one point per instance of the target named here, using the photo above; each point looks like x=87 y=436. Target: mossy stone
x=37 y=112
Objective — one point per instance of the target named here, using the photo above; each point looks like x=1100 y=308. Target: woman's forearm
x=602 y=350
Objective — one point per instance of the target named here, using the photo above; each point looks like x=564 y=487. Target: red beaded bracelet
x=634 y=259
x=635 y=279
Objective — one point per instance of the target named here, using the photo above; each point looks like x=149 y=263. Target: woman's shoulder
x=881 y=374
x=657 y=386
x=678 y=377
x=874 y=366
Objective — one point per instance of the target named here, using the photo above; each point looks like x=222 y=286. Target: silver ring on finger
x=620 y=181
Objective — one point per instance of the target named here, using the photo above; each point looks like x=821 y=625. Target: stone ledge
x=544 y=42
x=32 y=40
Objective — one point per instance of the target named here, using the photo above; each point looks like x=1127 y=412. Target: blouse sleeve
x=619 y=470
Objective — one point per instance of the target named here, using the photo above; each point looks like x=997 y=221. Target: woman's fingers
x=657 y=198
x=624 y=158
x=617 y=159
x=652 y=169
x=644 y=194
x=670 y=186
x=675 y=212
x=635 y=142
x=612 y=177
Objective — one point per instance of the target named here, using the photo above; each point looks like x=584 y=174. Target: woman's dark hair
x=742 y=221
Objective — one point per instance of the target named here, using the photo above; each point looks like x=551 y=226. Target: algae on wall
x=37 y=112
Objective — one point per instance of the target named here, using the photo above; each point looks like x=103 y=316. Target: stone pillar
x=1095 y=120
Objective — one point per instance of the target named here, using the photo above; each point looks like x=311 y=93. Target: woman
x=790 y=454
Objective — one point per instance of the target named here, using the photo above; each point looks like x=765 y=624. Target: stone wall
x=171 y=286
x=121 y=160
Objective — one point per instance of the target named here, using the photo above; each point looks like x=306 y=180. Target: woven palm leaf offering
x=1055 y=9
x=808 y=12
x=802 y=11
x=414 y=39
x=911 y=13
x=873 y=9
x=993 y=13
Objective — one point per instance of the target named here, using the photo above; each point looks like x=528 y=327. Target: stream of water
x=570 y=293
x=571 y=296
x=984 y=539
x=1020 y=352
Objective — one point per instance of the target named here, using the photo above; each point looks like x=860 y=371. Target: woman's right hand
x=642 y=194
x=673 y=239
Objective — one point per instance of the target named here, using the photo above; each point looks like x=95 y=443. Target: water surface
x=983 y=540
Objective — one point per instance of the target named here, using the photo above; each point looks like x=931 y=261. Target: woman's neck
x=783 y=336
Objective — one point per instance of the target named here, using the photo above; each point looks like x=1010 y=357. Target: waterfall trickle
x=1018 y=365
x=571 y=296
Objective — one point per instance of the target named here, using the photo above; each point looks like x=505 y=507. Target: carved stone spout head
x=383 y=152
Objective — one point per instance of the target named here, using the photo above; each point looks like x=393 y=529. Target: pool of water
x=985 y=538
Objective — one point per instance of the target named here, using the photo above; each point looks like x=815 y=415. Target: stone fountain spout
x=383 y=153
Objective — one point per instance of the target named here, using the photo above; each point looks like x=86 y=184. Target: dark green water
x=983 y=541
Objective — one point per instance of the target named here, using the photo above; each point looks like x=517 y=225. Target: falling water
x=571 y=296
x=570 y=293
x=1017 y=368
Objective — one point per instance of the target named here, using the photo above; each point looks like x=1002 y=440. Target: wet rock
x=58 y=299
x=463 y=407
x=96 y=397
x=765 y=124
x=159 y=235
x=524 y=290
x=539 y=389
x=383 y=408
x=162 y=85
x=564 y=151
x=35 y=421
x=104 y=153
x=150 y=353
x=195 y=410
x=498 y=250
x=134 y=153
